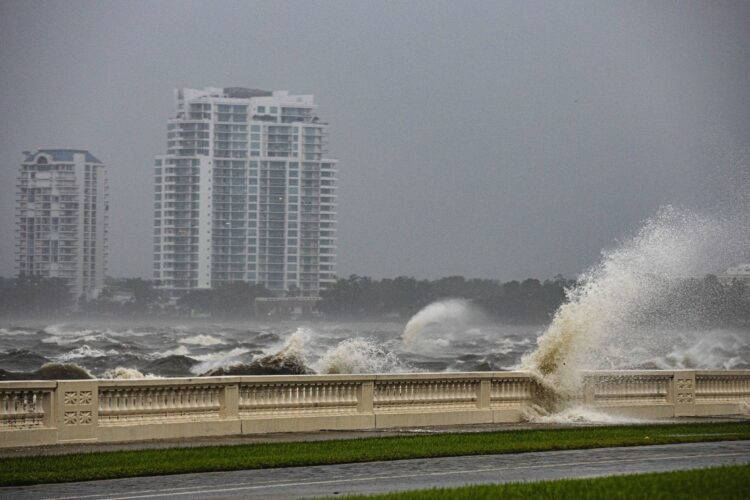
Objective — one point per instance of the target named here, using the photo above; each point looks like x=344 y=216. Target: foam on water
x=85 y=351
x=359 y=355
x=123 y=373
x=576 y=415
x=201 y=339
x=62 y=330
x=218 y=359
x=177 y=351
x=716 y=349
x=4 y=332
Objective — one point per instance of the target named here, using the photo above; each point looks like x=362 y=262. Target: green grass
x=728 y=482
x=89 y=466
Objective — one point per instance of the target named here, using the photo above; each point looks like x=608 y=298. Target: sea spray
x=218 y=359
x=448 y=314
x=291 y=359
x=123 y=373
x=576 y=414
x=359 y=355
x=610 y=300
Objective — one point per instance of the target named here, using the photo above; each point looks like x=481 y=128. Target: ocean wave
x=201 y=339
x=86 y=336
x=290 y=360
x=21 y=360
x=61 y=329
x=85 y=351
x=177 y=351
x=719 y=349
x=347 y=348
x=359 y=355
x=445 y=316
x=4 y=332
x=123 y=373
x=219 y=359
x=170 y=366
x=49 y=371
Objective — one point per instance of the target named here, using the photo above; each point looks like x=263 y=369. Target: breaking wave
x=605 y=313
x=123 y=373
x=359 y=355
x=201 y=339
x=85 y=351
x=218 y=359
x=176 y=351
x=447 y=315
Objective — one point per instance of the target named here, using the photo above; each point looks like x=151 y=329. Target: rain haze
x=487 y=139
x=388 y=198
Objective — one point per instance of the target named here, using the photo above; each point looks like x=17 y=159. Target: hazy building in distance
x=245 y=192
x=740 y=272
x=61 y=218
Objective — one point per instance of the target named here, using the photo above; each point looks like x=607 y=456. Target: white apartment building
x=61 y=219
x=245 y=192
x=740 y=272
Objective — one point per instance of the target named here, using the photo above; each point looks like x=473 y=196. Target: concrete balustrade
x=48 y=412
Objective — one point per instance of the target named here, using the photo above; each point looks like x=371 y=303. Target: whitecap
x=84 y=351
x=177 y=351
x=218 y=359
x=201 y=339
x=359 y=355
x=124 y=373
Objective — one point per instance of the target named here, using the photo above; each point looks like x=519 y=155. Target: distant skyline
x=485 y=139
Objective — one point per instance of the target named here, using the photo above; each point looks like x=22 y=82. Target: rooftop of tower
x=62 y=155
x=246 y=93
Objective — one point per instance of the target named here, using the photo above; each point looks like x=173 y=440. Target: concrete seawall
x=49 y=412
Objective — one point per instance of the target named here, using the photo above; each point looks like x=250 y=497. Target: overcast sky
x=486 y=139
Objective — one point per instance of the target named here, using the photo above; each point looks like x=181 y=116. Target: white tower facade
x=62 y=218
x=245 y=192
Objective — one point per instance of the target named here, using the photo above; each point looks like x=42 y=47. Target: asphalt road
x=376 y=477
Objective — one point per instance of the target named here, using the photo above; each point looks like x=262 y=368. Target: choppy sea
x=113 y=349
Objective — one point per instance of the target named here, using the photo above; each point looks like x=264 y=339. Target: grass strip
x=118 y=464
x=728 y=482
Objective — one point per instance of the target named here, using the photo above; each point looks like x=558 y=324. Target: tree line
x=529 y=300
x=34 y=295
x=705 y=301
x=693 y=302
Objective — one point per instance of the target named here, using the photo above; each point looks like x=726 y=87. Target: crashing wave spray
x=610 y=299
x=359 y=355
x=124 y=373
x=445 y=311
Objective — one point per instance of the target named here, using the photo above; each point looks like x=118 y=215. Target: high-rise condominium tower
x=245 y=193
x=61 y=219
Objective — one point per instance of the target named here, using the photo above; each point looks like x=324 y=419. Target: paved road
x=398 y=475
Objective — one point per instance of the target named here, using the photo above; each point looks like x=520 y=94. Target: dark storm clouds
x=492 y=139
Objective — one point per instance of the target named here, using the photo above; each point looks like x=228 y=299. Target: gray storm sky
x=488 y=139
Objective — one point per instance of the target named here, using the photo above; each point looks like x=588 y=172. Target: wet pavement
x=399 y=475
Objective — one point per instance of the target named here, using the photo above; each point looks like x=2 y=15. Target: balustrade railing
x=24 y=408
x=393 y=395
x=509 y=391
x=126 y=405
x=307 y=397
x=45 y=412
x=717 y=386
x=622 y=388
